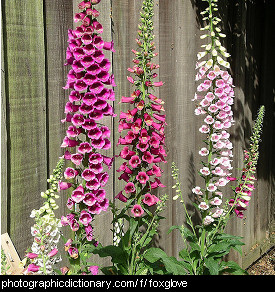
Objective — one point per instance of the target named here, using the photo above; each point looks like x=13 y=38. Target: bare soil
x=265 y=265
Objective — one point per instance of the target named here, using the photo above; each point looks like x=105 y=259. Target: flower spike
x=89 y=102
x=144 y=142
x=214 y=98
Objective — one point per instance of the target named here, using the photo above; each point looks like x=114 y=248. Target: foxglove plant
x=4 y=264
x=215 y=97
x=91 y=89
x=245 y=184
x=207 y=244
x=144 y=143
x=143 y=150
x=43 y=254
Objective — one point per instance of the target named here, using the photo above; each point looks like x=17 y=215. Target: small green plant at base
x=4 y=263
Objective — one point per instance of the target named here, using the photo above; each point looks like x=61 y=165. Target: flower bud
x=94 y=2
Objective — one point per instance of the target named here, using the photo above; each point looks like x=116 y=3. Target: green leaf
x=118 y=255
x=173 y=266
x=122 y=269
x=184 y=254
x=57 y=271
x=125 y=241
x=219 y=248
x=212 y=265
x=143 y=270
x=175 y=227
x=232 y=268
x=189 y=235
x=153 y=254
x=147 y=238
x=194 y=246
x=238 y=248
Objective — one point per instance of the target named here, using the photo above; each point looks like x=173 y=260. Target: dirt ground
x=265 y=265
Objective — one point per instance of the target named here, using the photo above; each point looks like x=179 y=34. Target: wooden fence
x=34 y=42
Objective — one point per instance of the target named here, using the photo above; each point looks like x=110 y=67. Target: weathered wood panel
x=34 y=45
x=4 y=153
x=26 y=112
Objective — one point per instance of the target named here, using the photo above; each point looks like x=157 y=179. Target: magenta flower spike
x=89 y=102
x=142 y=127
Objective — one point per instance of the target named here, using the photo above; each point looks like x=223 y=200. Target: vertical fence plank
x=4 y=154
x=57 y=20
x=25 y=59
x=57 y=24
x=178 y=44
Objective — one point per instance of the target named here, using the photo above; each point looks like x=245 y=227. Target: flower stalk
x=245 y=184
x=144 y=142
x=215 y=96
x=87 y=137
x=207 y=243
x=43 y=254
